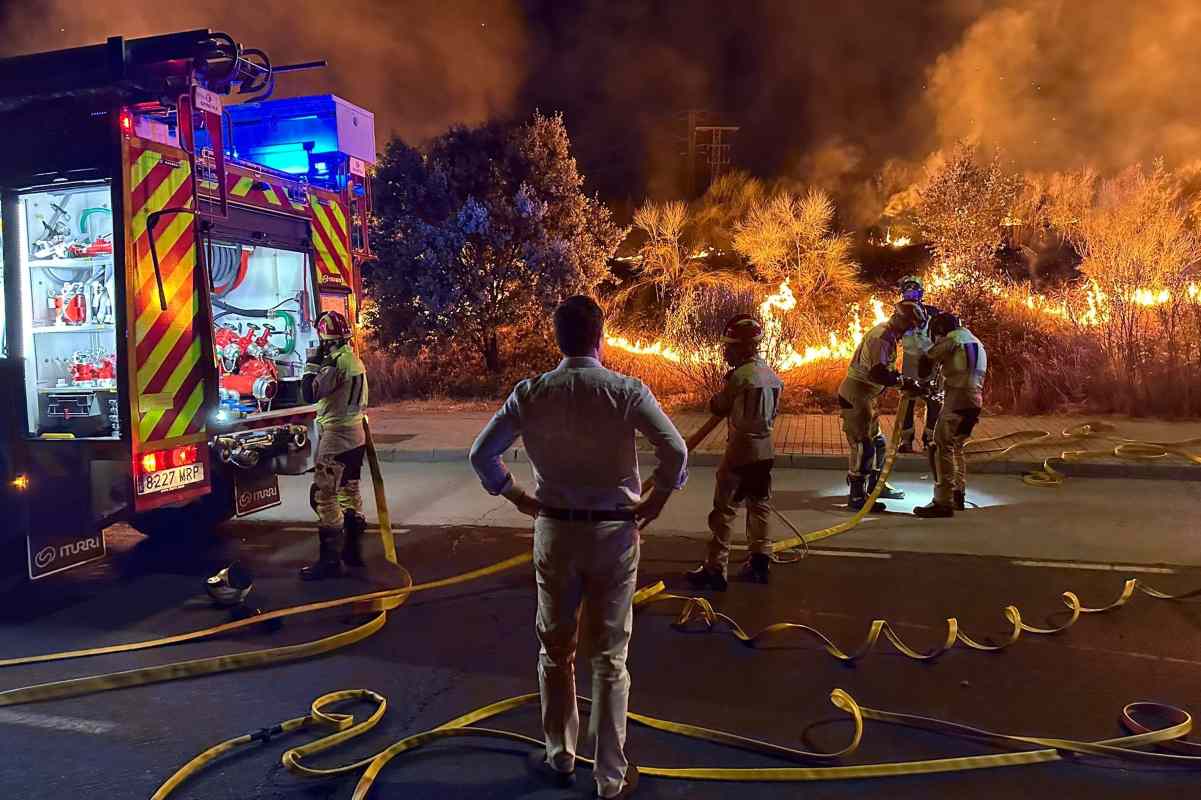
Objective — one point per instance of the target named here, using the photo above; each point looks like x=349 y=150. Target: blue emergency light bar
x=312 y=137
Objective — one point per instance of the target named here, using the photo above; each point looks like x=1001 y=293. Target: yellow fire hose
x=343 y=726
x=1119 y=447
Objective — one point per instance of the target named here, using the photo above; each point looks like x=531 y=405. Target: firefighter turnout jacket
x=750 y=401
x=338 y=385
x=916 y=343
x=875 y=359
x=964 y=364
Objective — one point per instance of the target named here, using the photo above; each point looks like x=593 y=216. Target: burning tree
x=789 y=236
x=962 y=209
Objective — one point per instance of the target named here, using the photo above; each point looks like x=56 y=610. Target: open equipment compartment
x=66 y=247
x=263 y=298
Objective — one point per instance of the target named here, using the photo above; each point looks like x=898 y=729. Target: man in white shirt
x=578 y=425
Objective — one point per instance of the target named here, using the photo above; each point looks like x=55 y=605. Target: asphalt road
x=452 y=650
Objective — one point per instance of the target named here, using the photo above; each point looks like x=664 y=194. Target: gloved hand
x=914 y=387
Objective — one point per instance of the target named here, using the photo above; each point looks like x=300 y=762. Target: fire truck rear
x=166 y=253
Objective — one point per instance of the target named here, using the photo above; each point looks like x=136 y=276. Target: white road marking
x=1096 y=567
x=94 y=727
x=848 y=553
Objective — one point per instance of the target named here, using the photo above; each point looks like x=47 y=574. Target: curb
x=905 y=463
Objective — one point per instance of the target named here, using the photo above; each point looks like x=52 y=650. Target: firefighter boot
x=933 y=511
x=354 y=525
x=960 y=500
x=889 y=492
x=757 y=568
x=704 y=578
x=858 y=494
x=329 y=562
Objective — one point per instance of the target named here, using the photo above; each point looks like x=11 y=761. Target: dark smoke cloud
x=420 y=65
x=833 y=94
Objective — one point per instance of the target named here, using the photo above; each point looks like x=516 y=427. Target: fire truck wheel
x=192 y=521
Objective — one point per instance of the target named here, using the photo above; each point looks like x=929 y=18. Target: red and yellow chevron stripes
x=331 y=238
x=168 y=360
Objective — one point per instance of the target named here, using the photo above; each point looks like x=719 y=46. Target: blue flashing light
x=321 y=167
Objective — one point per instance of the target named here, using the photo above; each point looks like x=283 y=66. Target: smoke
x=420 y=65
x=850 y=97
x=1056 y=84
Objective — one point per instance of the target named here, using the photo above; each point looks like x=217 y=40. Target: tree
x=962 y=209
x=789 y=236
x=484 y=231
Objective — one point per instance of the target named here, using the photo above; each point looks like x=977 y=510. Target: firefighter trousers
x=593 y=565
x=951 y=433
x=336 y=482
x=857 y=403
x=750 y=483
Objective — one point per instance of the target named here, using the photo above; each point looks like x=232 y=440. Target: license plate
x=166 y=480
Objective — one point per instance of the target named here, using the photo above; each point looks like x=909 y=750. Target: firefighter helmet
x=908 y=314
x=230 y=586
x=742 y=329
x=911 y=287
x=331 y=325
x=943 y=323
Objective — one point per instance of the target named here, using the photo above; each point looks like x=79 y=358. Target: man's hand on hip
x=651 y=507
x=521 y=498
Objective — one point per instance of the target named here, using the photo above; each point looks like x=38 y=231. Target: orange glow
x=21 y=483
x=182 y=456
x=150 y=462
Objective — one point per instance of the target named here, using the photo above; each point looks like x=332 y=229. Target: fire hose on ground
x=341 y=727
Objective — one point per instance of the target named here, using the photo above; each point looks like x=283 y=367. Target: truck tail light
x=165 y=459
x=182 y=456
x=126 y=122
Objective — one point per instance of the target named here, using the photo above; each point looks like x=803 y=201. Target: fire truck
x=170 y=235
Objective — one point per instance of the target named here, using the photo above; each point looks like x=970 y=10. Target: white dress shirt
x=578 y=423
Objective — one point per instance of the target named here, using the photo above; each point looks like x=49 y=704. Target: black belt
x=588 y=515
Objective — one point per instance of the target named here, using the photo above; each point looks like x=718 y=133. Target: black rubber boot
x=905 y=446
x=933 y=511
x=329 y=562
x=932 y=457
x=354 y=526
x=704 y=578
x=858 y=495
x=889 y=492
x=959 y=500
x=757 y=568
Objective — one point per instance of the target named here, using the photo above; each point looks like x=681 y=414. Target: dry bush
x=1139 y=250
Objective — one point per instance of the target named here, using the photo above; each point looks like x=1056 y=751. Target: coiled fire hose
x=343 y=727
x=1119 y=447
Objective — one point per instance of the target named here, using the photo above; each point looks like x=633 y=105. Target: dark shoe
x=933 y=511
x=354 y=525
x=858 y=495
x=704 y=578
x=628 y=787
x=905 y=447
x=889 y=492
x=960 y=501
x=757 y=569
x=329 y=562
x=537 y=764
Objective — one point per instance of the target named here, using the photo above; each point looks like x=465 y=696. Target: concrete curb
x=905 y=463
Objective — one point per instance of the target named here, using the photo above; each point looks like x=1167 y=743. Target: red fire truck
x=170 y=235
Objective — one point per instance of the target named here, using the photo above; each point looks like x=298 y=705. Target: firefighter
x=964 y=364
x=749 y=401
x=872 y=369
x=335 y=379
x=915 y=343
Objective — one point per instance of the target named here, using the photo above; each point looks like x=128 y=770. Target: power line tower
x=708 y=155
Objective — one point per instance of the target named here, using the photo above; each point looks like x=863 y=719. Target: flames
x=1090 y=307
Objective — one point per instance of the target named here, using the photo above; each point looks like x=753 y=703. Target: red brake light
x=182 y=456
x=126 y=123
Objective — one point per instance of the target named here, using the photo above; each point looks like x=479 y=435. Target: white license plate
x=166 y=480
